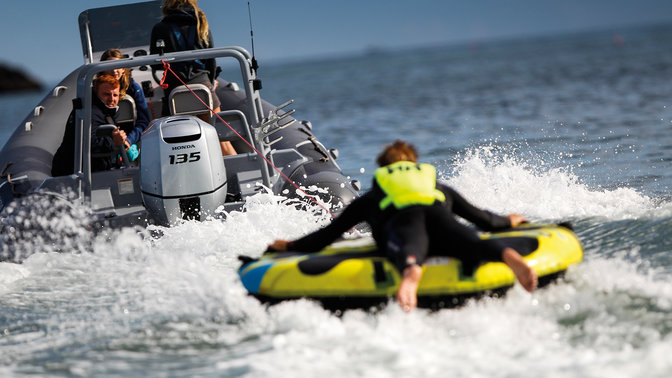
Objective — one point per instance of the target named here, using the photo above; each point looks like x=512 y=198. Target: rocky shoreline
x=15 y=80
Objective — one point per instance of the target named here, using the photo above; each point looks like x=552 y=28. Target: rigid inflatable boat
x=354 y=274
x=180 y=173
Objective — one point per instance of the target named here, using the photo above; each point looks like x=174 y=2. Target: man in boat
x=413 y=217
x=103 y=111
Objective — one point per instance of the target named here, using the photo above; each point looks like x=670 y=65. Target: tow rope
x=166 y=69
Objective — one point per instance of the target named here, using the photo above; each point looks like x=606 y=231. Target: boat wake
x=495 y=179
x=486 y=176
x=43 y=223
x=152 y=292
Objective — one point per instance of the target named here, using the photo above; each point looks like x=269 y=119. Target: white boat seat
x=238 y=122
x=127 y=114
x=183 y=102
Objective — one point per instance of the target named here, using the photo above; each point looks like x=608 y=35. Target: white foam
x=147 y=297
x=9 y=273
x=492 y=179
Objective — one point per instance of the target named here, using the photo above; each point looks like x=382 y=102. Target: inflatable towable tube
x=354 y=274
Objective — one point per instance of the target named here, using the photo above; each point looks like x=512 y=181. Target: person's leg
x=444 y=230
x=407 y=294
x=227 y=148
x=206 y=117
x=524 y=274
x=407 y=245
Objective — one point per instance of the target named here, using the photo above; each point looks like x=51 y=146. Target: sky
x=41 y=37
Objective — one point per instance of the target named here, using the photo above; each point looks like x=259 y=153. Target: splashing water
x=43 y=223
x=494 y=179
x=167 y=301
x=175 y=299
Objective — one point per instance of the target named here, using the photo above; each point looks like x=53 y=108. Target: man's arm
x=317 y=240
x=483 y=219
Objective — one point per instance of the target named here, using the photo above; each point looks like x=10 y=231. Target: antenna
x=254 y=60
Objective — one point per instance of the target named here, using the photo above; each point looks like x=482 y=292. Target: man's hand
x=119 y=137
x=516 y=219
x=277 y=246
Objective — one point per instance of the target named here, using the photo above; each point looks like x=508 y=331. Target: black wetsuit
x=64 y=158
x=419 y=230
x=178 y=32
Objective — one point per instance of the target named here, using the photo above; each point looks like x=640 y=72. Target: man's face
x=108 y=94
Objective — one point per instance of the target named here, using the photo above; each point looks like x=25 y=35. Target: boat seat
x=183 y=102
x=238 y=122
x=127 y=114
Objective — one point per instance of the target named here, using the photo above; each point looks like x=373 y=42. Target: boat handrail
x=87 y=73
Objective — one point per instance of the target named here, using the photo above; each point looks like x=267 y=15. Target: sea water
x=565 y=128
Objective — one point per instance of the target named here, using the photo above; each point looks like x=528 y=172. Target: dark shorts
x=422 y=231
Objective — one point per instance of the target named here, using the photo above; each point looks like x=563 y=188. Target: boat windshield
x=124 y=27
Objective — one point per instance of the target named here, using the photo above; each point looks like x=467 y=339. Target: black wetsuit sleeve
x=351 y=216
x=483 y=219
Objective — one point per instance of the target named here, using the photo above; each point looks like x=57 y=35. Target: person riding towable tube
x=412 y=217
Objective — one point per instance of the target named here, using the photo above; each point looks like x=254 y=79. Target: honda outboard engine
x=182 y=169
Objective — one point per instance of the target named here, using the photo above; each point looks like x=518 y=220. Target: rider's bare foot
x=408 y=288
x=524 y=274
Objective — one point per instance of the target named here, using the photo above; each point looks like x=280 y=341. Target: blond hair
x=201 y=20
x=125 y=80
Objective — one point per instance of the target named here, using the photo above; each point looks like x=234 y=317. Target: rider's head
x=397 y=151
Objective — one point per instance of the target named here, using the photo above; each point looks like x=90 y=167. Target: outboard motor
x=182 y=170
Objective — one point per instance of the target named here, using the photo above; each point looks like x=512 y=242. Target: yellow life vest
x=406 y=183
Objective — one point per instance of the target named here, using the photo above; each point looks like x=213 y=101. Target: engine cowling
x=182 y=170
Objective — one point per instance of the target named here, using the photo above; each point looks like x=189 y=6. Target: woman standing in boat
x=413 y=217
x=185 y=27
